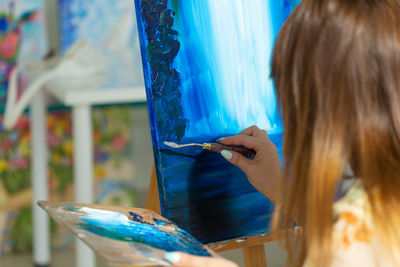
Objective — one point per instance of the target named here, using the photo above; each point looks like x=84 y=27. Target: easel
x=253 y=247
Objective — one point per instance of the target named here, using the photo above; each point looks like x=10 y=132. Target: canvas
x=110 y=27
x=206 y=68
x=22 y=37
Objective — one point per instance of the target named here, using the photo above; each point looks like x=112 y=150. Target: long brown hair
x=336 y=67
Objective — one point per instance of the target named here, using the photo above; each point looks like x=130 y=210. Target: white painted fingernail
x=226 y=154
x=222 y=138
x=172 y=257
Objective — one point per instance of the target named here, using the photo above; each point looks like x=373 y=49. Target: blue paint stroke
x=222 y=86
x=117 y=226
x=228 y=47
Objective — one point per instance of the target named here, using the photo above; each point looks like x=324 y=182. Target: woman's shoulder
x=352 y=218
x=355 y=240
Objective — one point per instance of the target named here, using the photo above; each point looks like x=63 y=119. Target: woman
x=336 y=68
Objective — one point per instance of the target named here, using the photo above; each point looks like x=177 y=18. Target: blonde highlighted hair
x=336 y=67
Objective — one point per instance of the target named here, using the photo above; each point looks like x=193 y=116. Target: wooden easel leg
x=153 y=198
x=254 y=256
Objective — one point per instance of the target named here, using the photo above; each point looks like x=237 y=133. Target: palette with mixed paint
x=125 y=236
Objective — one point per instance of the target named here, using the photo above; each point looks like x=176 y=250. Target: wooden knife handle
x=247 y=152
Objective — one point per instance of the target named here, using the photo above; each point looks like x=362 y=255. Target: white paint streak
x=105 y=216
x=243 y=43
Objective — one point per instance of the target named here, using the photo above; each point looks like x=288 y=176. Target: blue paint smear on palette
x=206 y=66
x=159 y=235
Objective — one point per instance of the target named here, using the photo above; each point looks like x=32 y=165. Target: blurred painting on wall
x=111 y=27
x=22 y=40
x=22 y=37
x=114 y=170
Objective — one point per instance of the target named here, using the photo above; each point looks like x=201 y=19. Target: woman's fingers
x=254 y=131
x=238 y=160
x=243 y=140
x=185 y=260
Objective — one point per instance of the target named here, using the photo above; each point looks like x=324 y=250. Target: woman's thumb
x=185 y=260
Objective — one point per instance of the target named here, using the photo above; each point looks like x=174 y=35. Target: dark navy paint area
x=139 y=219
x=211 y=199
x=162 y=46
x=136 y=217
x=194 y=95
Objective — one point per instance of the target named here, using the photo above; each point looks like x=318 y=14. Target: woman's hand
x=264 y=172
x=185 y=260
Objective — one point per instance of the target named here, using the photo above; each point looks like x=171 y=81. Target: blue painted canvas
x=110 y=27
x=206 y=68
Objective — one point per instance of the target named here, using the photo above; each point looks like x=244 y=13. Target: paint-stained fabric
x=355 y=240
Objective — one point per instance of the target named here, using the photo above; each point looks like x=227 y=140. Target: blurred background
x=30 y=32
x=122 y=144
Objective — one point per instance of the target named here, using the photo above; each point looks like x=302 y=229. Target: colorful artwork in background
x=113 y=169
x=110 y=26
x=22 y=36
x=206 y=66
x=15 y=182
x=125 y=236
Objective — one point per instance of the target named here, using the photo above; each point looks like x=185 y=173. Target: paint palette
x=124 y=236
